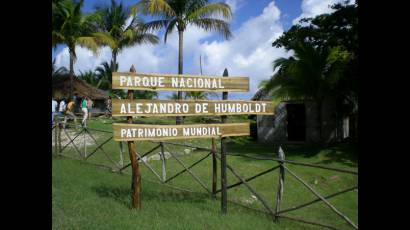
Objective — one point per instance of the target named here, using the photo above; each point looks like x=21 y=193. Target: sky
x=255 y=24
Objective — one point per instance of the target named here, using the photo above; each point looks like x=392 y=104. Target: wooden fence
x=276 y=213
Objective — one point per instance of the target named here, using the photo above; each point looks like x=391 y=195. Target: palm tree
x=145 y=94
x=114 y=31
x=71 y=27
x=90 y=77
x=310 y=73
x=178 y=14
x=196 y=95
x=104 y=74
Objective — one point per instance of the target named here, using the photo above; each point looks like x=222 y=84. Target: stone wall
x=272 y=129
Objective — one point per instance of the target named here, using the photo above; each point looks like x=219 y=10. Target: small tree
x=310 y=73
x=71 y=27
x=116 y=33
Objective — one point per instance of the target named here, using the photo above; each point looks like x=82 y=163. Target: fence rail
x=274 y=212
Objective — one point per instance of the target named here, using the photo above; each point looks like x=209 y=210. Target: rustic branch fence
x=276 y=213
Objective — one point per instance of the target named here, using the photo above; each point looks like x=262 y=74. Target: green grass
x=89 y=197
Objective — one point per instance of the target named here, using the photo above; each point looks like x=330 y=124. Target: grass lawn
x=86 y=196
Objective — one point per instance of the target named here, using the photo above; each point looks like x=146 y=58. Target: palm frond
x=104 y=38
x=282 y=63
x=136 y=22
x=157 y=8
x=211 y=10
x=146 y=38
x=57 y=38
x=196 y=95
x=57 y=72
x=132 y=37
x=169 y=29
x=88 y=42
x=156 y=25
x=211 y=24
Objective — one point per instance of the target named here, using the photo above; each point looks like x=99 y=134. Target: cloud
x=235 y=4
x=86 y=60
x=249 y=53
x=312 y=8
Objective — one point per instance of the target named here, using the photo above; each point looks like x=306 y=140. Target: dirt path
x=79 y=141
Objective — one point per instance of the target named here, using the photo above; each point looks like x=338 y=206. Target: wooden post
x=121 y=154
x=85 y=146
x=136 y=175
x=214 y=168
x=224 y=199
x=56 y=138
x=164 y=167
x=60 y=126
x=281 y=156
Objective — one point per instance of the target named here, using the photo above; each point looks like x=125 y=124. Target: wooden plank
x=189 y=167
x=333 y=208
x=139 y=132
x=164 y=166
x=279 y=194
x=253 y=191
x=214 y=168
x=190 y=107
x=250 y=178
x=188 y=170
x=56 y=137
x=176 y=82
x=316 y=200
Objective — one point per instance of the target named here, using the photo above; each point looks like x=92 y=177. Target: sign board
x=189 y=107
x=139 y=132
x=176 y=82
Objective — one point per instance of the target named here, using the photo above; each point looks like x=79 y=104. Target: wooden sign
x=138 y=132
x=189 y=107
x=176 y=82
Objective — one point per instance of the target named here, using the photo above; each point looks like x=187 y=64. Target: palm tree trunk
x=71 y=75
x=179 y=120
x=113 y=64
x=114 y=61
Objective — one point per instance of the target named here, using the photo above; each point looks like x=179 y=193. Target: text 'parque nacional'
x=190 y=107
x=175 y=82
x=135 y=132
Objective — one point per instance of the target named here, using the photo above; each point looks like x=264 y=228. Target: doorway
x=296 y=122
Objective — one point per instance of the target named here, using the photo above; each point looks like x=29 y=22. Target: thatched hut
x=61 y=89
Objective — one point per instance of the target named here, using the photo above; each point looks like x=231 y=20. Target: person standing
x=69 y=112
x=85 y=111
x=54 y=105
x=75 y=98
x=89 y=107
x=108 y=104
x=61 y=108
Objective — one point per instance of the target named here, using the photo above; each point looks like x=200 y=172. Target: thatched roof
x=61 y=88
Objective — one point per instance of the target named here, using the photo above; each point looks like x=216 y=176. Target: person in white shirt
x=54 y=105
x=61 y=108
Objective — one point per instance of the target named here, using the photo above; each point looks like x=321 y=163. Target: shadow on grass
x=123 y=195
x=343 y=153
